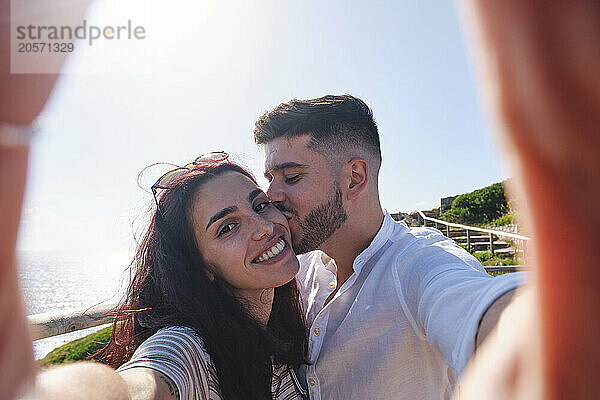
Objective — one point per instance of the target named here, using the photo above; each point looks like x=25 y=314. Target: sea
x=53 y=282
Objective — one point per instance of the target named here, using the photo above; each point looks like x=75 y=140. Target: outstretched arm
x=539 y=64
x=492 y=315
x=88 y=380
x=21 y=99
x=16 y=356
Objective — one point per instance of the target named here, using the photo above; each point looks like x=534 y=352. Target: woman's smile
x=273 y=253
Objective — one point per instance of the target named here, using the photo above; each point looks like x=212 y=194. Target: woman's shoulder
x=179 y=353
x=178 y=345
x=186 y=335
x=183 y=332
x=179 y=341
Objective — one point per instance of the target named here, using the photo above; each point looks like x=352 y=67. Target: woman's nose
x=262 y=228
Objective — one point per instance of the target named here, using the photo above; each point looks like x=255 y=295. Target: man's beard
x=320 y=223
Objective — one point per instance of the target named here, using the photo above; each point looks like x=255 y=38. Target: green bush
x=79 y=349
x=479 y=207
x=503 y=220
x=488 y=259
x=496 y=273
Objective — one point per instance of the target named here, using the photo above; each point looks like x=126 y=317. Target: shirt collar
x=385 y=232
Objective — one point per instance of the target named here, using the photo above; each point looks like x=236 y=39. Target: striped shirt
x=178 y=353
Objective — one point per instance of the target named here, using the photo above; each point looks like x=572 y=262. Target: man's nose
x=275 y=194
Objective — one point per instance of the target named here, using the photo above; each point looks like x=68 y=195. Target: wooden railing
x=468 y=229
x=46 y=325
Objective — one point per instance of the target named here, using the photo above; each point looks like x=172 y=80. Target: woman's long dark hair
x=169 y=287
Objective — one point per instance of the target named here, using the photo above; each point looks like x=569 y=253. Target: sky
x=206 y=70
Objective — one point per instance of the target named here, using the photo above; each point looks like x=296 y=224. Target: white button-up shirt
x=403 y=325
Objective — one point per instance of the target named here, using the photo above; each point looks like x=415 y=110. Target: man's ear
x=359 y=177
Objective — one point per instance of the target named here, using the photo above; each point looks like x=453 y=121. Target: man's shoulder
x=409 y=240
x=403 y=236
x=426 y=233
x=426 y=247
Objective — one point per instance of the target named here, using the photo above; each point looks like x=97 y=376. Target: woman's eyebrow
x=221 y=214
x=254 y=193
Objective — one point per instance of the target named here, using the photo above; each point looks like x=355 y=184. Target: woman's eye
x=292 y=179
x=226 y=229
x=261 y=206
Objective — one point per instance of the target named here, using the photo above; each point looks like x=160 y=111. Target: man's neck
x=351 y=240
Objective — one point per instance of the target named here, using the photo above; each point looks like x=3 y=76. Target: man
x=393 y=312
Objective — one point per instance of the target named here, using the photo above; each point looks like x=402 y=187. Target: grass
x=488 y=259
x=496 y=273
x=79 y=349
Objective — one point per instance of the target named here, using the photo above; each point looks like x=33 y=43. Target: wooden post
x=492 y=243
x=447 y=230
x=468 y=241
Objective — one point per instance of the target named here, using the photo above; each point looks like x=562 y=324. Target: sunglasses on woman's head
x=167 y=180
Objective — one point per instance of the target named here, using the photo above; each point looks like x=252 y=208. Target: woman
x=213 y=309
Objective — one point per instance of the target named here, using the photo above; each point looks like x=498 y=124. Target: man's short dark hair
x=336 y=124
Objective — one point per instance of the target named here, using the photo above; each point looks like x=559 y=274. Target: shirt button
x=312 y=382
x=331 y=285
x=317 y=331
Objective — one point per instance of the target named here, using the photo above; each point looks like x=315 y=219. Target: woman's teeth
x=272 y=252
